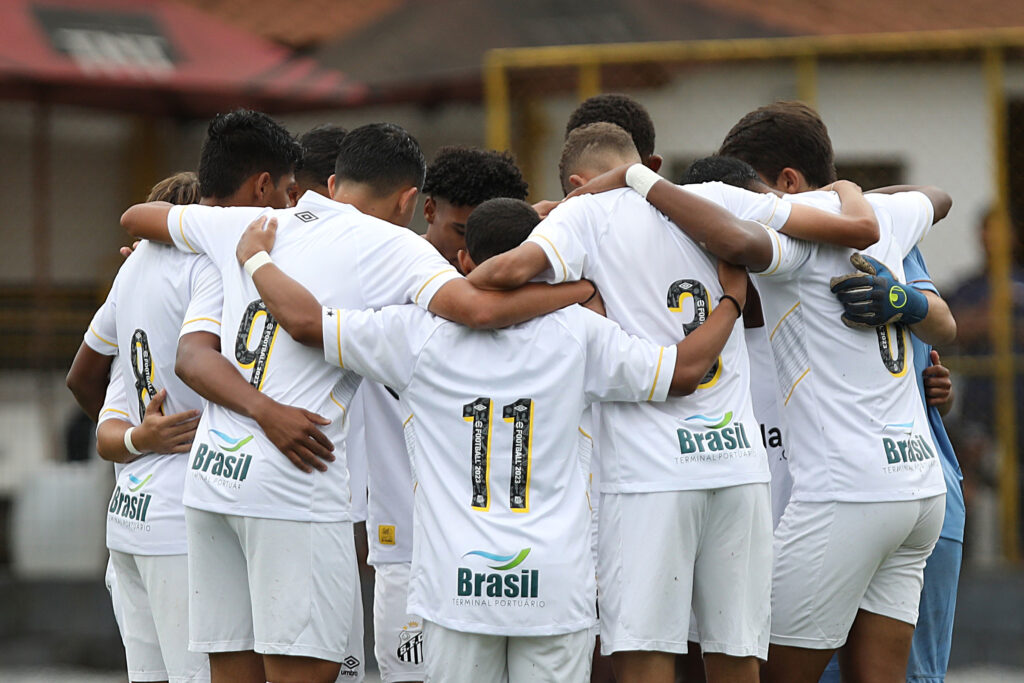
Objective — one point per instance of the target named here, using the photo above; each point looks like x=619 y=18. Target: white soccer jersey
x=856 y=429
x=501 y=542
x=389 y=478
x=659 y=284
x=158 y=294
x=344 y=258
x=355 y=457
x=765 y=397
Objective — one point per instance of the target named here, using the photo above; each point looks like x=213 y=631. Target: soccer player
x=863 y=464
x=247 y=513
x=671 y=475
x=787 y=143
x=457 y=181
x=502 y=570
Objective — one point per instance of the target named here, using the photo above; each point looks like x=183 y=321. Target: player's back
x=856 y=429
x=657 y=283
x=501 y=542
x=150 y=299
x=343 y=257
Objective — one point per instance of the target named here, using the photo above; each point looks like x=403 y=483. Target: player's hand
x=127 y=251
x=295 y=432
x=161 y=433
x=938 y=387
x=259 y=236
x=734 y=281
x=843 y=186
x=610 y=180
x=544 y=207
x=874 y=297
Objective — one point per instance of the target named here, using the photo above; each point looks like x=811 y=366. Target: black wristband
x=592 y=294
x=739 y=309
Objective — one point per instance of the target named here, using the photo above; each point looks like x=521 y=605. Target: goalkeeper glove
x=874 y=297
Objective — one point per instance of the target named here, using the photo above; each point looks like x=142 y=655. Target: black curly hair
x=240 y=144
x=623 y=111
x=468 y=176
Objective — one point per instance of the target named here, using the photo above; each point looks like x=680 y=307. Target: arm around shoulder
x=148 y=221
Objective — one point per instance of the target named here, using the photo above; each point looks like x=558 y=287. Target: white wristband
x=257 y=261
x=641 y=179
x=128 y=442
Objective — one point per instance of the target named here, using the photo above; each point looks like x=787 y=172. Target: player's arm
x=699 y=350
x=856 y=226
x=87 y=379
x=512 y=269
x=293 y=431
x=938 y=387
x=299 y=313
x=941 y=200
x=148 y=221
x=158 y=433
x=938 y=327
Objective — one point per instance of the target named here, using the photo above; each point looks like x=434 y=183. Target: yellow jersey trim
x=181 y=229
x=416 y=299
x=195 y=320
x=793 y=388
x=565 y=270
x=102 y=339
x=784 y=316
x=657 y=374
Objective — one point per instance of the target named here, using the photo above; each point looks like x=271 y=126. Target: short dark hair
x=623 y=111
x=319 y=153
x=498 y=225
x=780 y=135
x=240 y=144
x=381 y=155
x=180 y=188
x=728 y=170
x=588 y=140
x=468 y=176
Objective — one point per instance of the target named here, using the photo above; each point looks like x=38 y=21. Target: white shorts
x=353 y=663
x=110 y=581
x=152 y=593
x=663 y=553
x=274 y=586
x=397 y=635
x=459 y=657
x=832 y=559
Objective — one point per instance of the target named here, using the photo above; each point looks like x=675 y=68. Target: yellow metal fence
x=519 y=81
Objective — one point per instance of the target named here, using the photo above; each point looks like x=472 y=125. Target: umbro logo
x=306 y=216
x=350 y=663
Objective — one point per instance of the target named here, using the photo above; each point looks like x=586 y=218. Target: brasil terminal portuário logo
x=229 y=443
x=138 y=483
x=713 y=422
x=505 y=562
x=713 y=435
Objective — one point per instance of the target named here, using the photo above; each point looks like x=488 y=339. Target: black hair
x=497 y=225
x=241 y=144
x=468 y=176
x=728 y=170
x=781 y=135
x=623 y=111
x=381 y=155
x=319 y=153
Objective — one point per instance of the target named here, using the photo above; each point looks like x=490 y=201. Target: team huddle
x=697 y=419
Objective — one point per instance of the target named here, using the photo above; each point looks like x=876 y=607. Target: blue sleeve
x=916 y=272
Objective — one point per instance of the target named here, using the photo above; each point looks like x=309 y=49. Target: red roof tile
x=301 y=23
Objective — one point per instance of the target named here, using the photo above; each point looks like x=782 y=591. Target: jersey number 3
x=678 y=291
x=255 y=357
x=520 y=415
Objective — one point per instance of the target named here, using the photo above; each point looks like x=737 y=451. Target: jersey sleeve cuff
x=557 y=271
x=113 y=414
x=779 y=215
x=331 y=318
x=210 y=325
x=176 y=228
x=101 y=345
x=434 y=283
x=773 y=266
x=666 y=368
